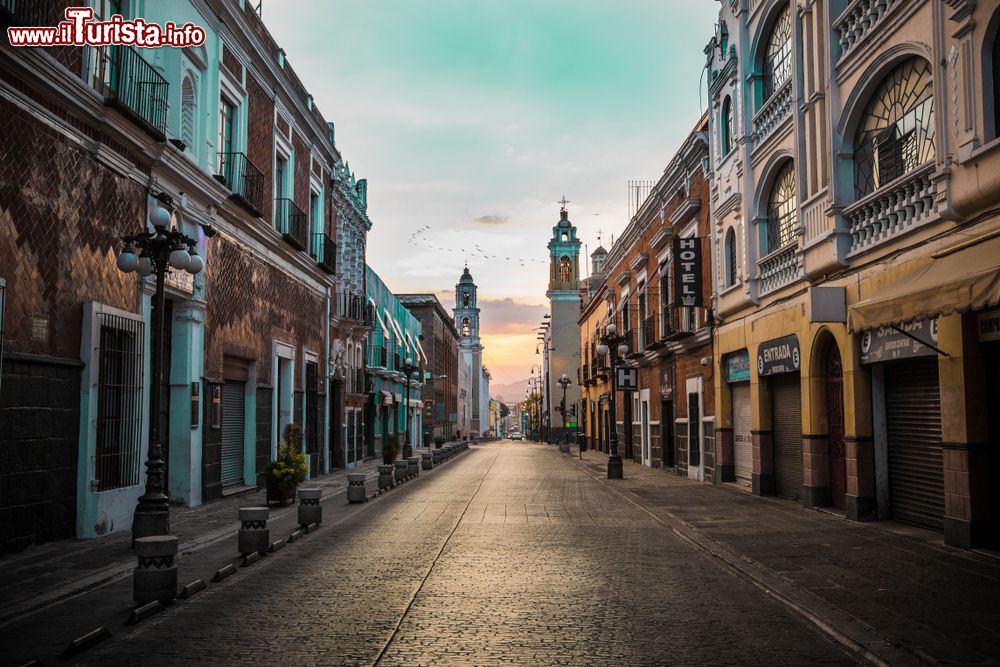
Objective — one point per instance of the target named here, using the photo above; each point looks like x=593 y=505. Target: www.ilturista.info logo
x=79 y=29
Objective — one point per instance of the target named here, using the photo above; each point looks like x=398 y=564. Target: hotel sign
x=780 y=355
x=687 y=272
x=889 y=344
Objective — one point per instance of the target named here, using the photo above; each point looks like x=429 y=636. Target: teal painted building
x=396 y=335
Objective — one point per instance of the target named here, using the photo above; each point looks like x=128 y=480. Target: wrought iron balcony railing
x=350 y=307
x=243 y=179
x=324 y=251
x=131 y=85
x=291 y=221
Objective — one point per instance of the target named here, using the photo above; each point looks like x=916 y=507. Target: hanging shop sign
x=737 y=366
x=907 y=341
x=780 y=355
x=687 y=272
x=989 y=326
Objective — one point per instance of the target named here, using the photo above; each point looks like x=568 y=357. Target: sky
x=471 y=119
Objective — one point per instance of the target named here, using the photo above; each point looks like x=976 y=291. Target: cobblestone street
x=511 y=555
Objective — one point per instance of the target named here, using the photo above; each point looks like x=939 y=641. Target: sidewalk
x=894 y=590
x=58 y=591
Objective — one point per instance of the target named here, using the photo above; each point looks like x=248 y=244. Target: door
x=667 y=434
x=627 y=424
x=646 y=460
x=233 y=421
x=835 y=420
x=787 y=417
x=312 y=417
x=336 y=435
x=916 y=462
x=694 y=437
x=742 y=434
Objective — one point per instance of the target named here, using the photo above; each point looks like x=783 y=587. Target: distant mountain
x=509 y=393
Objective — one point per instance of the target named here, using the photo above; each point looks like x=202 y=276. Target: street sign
x=627 y=380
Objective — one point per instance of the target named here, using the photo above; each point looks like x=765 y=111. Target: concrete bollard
x=385 y=477
x=413 y=466
x=400 y=470
x=254 y=534
x=427 y=461
x=155 y=577
x=310 y=511
x=356 y=488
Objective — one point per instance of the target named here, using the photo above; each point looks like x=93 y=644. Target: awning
x=961 y=278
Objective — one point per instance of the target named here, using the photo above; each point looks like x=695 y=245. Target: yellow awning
x=958 y=279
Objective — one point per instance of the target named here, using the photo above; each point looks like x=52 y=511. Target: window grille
x=119 y=401
x=778 y=57
x=782 y=218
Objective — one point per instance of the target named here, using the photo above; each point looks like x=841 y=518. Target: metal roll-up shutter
x=913 y=415
x=787 y=418
x=233 y=407
x=742 y=435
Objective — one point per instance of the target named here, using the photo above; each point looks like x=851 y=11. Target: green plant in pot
x=390 y=449
x=439 y=441
x=289 y=468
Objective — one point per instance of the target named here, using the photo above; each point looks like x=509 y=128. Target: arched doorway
x=834 y=381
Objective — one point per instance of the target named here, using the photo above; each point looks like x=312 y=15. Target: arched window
x=466 y=327
x=465 y=300
x=777 y=65
x=727 y=126
x=896 y=132
x=189 y=110
x=729 y=250
x=782 y=218
x=565 y=269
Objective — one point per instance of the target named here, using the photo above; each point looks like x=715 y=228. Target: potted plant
x=288 y=469
x=389 y=450
x=439 y=440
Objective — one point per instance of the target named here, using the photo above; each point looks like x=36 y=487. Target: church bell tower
x=563 y=351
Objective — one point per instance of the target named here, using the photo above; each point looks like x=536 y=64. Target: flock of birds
x=421 y=237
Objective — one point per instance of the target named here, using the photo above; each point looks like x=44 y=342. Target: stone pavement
x=896 y=589
x=57 y=591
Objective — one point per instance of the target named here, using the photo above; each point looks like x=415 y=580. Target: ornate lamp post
x=614 y=346
x=408 y=370
x=564 y=382
x=159 y=251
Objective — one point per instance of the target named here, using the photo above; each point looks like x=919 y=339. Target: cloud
x=490 y=220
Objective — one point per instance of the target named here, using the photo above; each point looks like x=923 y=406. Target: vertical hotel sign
x=687 y=272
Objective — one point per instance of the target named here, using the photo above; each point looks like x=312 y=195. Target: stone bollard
x=400 y=472
x=385 y=477
x=310 y=511
x=413 y=466
x=155 y=577
x=427 y=461
x=254 y=534
x=356 y=488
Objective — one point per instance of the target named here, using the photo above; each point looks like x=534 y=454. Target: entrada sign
x=780 y=355
x=687 y=272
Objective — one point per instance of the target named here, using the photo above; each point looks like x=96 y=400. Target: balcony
x=291 y=221
x=244 y=180
x=324 y=251
x=772 y=114
x=131 y=85
x=349 y=307
x=670 y=325
x=859 y=20
x=779 y=268
x=649 y=332
x=892 y=210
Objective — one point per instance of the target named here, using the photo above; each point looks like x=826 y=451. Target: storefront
x=906 y=393
x=737 y=375
x=988 y=325
x=778 y=363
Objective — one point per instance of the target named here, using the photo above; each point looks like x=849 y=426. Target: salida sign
x=687 y=272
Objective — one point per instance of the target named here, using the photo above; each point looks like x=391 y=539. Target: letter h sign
x=687 y=272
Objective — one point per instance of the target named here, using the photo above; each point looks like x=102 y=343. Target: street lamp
x=408 y=370
x=159 y=251
x=614 y=346
x=564 y=382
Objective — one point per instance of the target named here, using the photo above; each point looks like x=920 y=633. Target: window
x=995 y=76
x=644 y=335
x=280 y=166
x=314 y=214
x=465 y=300
x=778 y=57
x=782 y=218
x=226 y=114
x=466 y=327
x=729 y=252
x=119 y=401
x=727 y=126
x=666 y=314
x=896 y=132
x=189 y=111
